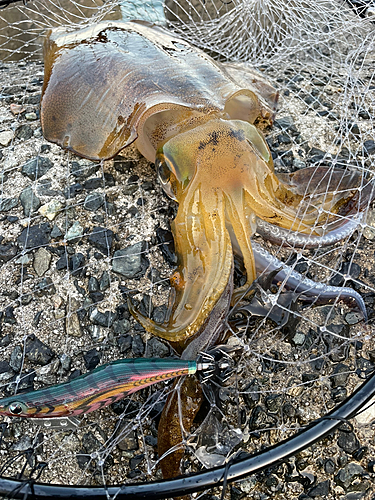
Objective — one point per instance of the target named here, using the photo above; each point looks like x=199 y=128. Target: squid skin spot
x=121 y=119
x=237 y=134
x=53 y=118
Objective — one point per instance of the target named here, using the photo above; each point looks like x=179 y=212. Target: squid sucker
x=111 y=84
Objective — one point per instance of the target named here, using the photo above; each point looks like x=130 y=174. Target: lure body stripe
x=96 y=389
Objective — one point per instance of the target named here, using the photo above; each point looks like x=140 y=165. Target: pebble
x=97 y=333
x=251 y=394
x=29 y=201
x=348 y=474
x=101 y=238
x=320 y=490
x=16 y=358
x=138 y=346
x=77 y=264
x=92 y=359
x=131 y=261
x=24 y=132
x=16 y=109
x=124 y=343
x=352 y=318
x=260 y=419
x=329 y=466
x=74 y=232
x=51 y=209
x=348 y=441
x=274 y=402
x=25 y=443
x=35 y=236
x=121 y=326
x=56 y=232
x=6 y=372
x=103 y=319
x=66 y=362
x=31 y=116
x=81 y=171
x=7 y=252
x=73 y=325
x=6 y=138
x=37 y=167
x=130 y=441
x=8 y=316
x=72 y=191
x=340 y=375
x=93 y=201
x=156 y=349
x=166 y=245
x=7 y=204
x=45 y=287
x=105 y=281
x=90 y=444
x=369 y=147
x=38 y=352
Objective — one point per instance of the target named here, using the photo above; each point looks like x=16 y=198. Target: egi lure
x=98 y=388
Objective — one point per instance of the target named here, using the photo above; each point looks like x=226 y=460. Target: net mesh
x=63 y=299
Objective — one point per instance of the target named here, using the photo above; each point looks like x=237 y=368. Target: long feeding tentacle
x=309 y=290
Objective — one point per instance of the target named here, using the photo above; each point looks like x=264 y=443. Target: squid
x=113 y=84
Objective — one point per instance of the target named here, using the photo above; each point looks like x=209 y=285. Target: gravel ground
x=76 y=237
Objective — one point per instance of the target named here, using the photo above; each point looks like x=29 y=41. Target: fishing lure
x=101 y=387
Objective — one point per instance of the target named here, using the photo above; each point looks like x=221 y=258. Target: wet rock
x=7 y=252
x=123 y=165
x=319 y=490
x=136 y=460
x=364 y=367
x=339 y=394
x=347 y=269
x=31 y=116
x=103 y=319
x=92 y=359
x=96 y=297
x=97 y=333
x=138 y=346
x=65 y=361
x=8 y=316
x=346 y=476
x=101 y=238
x=287 y=123
x=7 y=204
x=37 y=167
x=6 y=372
x=93 y=285
x=16 y=358
x=38 y=352
x=352 y=318
x=62 y=263
x=166 y=245
x=156 y=349
x=42 y=260
x=131 y=261
x=29 y=201
x=340 y=375
x=93 y=201
x=35 y=236
x=348 y=441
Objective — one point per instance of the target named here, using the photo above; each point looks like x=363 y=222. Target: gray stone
x=24 y=132
x=29 y=201
x=156 y=349
x=42 y=260
x=7 y=204
x=38 y=352
x=37 y=167
x=101 y=238
x=348 y=442
x=340 y=375
x=93 y=201
x=6 y=372
x=121 y=326
x=105 y=319
x=16 y=358
x=348 y=474
x=131 y=261
x=35 y=236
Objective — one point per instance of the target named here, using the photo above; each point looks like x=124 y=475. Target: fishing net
x=77 y=237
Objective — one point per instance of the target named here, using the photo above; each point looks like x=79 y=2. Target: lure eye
x=17 y=408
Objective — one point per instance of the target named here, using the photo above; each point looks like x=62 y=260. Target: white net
x=65 y=219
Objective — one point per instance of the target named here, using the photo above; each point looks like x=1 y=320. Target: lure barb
x=99 y=388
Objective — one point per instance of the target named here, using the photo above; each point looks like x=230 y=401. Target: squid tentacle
x=309 y=290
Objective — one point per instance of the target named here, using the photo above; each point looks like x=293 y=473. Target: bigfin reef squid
x=113 y=84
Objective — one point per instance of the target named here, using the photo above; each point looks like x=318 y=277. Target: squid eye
x=166 y=177
x=17 y=408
